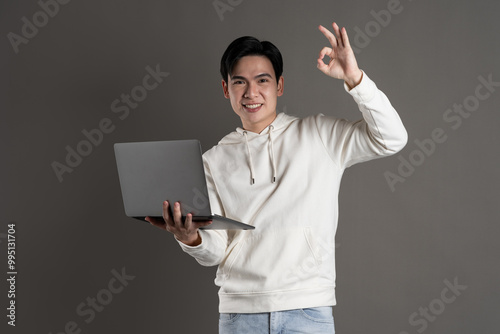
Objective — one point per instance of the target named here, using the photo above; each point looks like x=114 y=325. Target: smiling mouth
x=252 y=106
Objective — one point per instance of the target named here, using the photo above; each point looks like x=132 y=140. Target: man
x=282 y=175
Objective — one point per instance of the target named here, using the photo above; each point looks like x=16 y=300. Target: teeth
x=252 y=106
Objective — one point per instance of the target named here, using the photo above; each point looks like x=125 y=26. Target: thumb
x=322 y=66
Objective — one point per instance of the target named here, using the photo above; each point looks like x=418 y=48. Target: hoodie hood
x=280 y=123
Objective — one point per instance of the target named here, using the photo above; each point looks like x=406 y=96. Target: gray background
x=396 y=247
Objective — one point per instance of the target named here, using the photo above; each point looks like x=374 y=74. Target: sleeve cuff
x=191 y=249
x=364 y=91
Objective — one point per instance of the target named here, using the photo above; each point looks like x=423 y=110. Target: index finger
x=328 y=34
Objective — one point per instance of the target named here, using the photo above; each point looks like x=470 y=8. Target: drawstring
x=272 y=152
x=250 y=159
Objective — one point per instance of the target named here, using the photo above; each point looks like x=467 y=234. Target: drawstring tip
x=274 y=179
x=253 y=181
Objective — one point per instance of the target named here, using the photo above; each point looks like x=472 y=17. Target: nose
x=251 y=91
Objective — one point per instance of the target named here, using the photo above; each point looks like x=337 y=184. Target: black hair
x=250 y=46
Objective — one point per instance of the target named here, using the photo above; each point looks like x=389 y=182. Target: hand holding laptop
x=186 y=232
x=148 y=177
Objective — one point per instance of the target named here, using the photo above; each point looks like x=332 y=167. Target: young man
x=282 y=175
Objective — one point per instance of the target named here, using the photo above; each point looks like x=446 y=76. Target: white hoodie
x=285 y=181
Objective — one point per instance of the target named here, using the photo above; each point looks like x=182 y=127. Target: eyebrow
x=262 y=75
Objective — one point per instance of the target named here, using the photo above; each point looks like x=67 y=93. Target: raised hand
x=342 y=64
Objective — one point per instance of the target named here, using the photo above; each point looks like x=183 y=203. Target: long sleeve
x=213 y=245
x=379 y=133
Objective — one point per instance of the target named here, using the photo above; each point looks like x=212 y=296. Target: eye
x=263 y=80
x=238 y=82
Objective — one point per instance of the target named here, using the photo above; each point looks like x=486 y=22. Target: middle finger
x=178 y=215
x=167 y=214
x=336 y=29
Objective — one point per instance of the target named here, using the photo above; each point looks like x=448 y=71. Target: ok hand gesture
x=342 y=63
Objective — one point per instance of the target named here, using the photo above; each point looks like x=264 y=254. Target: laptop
x=155 y=171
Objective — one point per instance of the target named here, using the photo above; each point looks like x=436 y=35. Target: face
x=253 y=91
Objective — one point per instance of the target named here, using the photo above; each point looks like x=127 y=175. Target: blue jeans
x=317 y=320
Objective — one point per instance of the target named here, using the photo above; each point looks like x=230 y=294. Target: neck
x=258 y=127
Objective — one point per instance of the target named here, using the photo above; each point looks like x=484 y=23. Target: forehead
x=250 y=66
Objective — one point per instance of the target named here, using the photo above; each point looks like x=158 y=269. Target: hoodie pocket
x=272 y=260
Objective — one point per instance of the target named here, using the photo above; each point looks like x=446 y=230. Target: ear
x=225 y=89
x=281 y=85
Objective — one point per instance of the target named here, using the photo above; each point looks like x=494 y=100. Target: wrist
x=191 y=242
x=354 y=80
